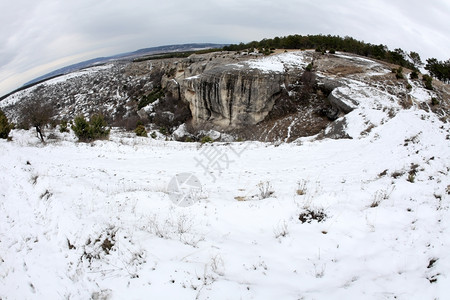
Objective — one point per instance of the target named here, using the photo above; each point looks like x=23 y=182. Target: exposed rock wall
x=342 y=100
x=248 y=96
x=230 y=96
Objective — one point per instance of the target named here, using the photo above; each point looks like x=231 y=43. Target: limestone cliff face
x=231 y=96
x=221 y=91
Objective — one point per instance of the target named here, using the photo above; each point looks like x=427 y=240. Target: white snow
x=14 y=98
x=354 y=58
x=96 y=220
x=82 y=72
x=192 y=77
x=81 y=221
x=278 y=63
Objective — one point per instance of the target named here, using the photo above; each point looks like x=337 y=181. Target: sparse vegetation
x=301 y=187
x=63 y=126
x=434 y=101
x=310 y=215
x=439 y=69
x=175 y=54
x=428 y=81
x=206 y=139
x=5 y=126
x=81 y=128
x=141 y=131
x=265 y=190
x=154 y=95
x=399 y=73
x=36 y=114
x=336 y=43
x=102 y=245
x=170 y=113
x=415 y=58
x=240 y=198
x=379 y=196
x=163 y=130
x=281 y=230
x=414 y=75
x=89 y=131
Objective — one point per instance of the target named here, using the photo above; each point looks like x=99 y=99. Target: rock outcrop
x=340 y=100
x=232 y=96
x=280 y=97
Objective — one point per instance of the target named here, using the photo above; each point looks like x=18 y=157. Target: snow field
x=95 y=220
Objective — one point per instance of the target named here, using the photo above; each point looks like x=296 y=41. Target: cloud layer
x=39 y=36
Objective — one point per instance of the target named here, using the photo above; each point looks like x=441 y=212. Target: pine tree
x=5 y=126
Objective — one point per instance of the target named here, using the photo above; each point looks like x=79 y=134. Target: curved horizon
x=38 y=38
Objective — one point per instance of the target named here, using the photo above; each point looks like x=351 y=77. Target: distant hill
x=123 y=56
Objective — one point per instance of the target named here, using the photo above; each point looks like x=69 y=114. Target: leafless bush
x=381 y=195
x=175 y=228
x=301 y=187
x=281 y=230
x=265 y=189
x=378 y=198
x=36 y=114
x=217 y=265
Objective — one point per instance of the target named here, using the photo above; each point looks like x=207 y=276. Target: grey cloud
x=36 y=33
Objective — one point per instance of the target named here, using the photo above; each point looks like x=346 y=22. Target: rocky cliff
x=231 y=96
x=276 y=98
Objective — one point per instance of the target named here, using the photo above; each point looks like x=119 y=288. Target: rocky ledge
x=280 y=97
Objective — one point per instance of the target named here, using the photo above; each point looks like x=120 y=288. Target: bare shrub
x=102 y=245
x=310 y=215
x=265 y=189
x=281 y=230
x=175 y=228
x=217 y=265
x=36 y=114
x=301 y=187
x=378 y=198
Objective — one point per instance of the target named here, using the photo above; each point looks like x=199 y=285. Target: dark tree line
x=335 y=43
x=439 y=69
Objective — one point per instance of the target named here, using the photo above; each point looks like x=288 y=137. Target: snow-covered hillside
x=363 y=217
x=96 y=221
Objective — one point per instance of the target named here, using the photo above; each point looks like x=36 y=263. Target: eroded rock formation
x=277 y=98
x=232 y=96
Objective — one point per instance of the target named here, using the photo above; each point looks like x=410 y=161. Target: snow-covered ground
x=16 y=97
x=279 y=63
x=366 y=217
x=96 y=220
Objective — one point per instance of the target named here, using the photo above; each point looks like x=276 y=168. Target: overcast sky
x=38 y=36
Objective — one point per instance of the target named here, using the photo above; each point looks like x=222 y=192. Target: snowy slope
x=96 y=220
x=366 y=217
x=16 y=97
